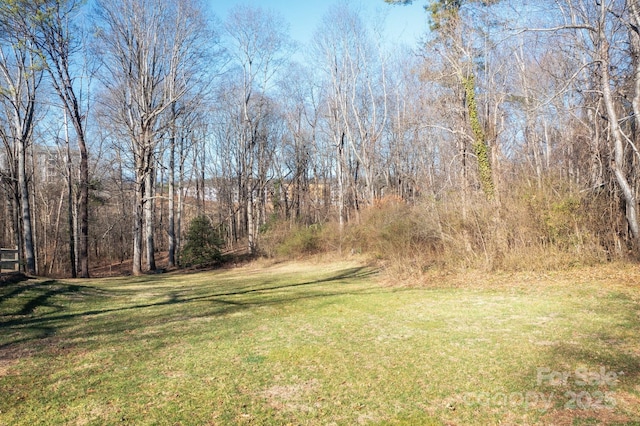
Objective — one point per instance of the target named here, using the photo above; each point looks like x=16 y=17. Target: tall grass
x=527 y=228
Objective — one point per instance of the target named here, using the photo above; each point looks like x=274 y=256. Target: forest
x=505 y=139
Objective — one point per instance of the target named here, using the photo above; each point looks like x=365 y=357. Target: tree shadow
x=9 y=287
x=30 y=327
x=35 y=295
x=12 y=278
x=21 y=320
x=599 y=359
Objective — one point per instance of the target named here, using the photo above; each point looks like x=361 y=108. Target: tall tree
x=607 y=34
x=21 y=73
x=259 y=46
x=605 y=11
x=193 y=66
x=147 y=70
x=447 y=21
x=356 y=104
x=18 y=96
x=50 y=27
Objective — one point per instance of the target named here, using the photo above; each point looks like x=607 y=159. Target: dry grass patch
x=294 y=397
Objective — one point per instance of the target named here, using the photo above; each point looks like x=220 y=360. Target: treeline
x=506 y=138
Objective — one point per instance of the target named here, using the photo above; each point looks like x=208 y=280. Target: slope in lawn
x=321 y=344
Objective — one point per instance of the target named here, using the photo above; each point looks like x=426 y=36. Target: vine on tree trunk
x=480 y=147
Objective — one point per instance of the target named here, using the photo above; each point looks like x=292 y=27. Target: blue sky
x=404 y=24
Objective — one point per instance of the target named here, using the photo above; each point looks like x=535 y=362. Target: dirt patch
x=572 y=417
x=12 y=278
x=6 y=365
x=12 y=353
x=624 y=409
x=293 y=397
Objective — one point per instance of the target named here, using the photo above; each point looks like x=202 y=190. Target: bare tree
x=21 y=73
x=599 y=26
x=49 y=26
x=295 y=159
x=259 y=46
x=457 y=50
x=194 y=63
x=148 y=68
x=353 y=70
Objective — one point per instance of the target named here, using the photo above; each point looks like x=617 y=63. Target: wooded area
x=507 y=137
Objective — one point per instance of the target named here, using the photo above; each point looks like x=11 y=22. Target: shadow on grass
x=25 y=309
x=25 y=324
x=12 y=278
x=23 y=299
x=599 y=358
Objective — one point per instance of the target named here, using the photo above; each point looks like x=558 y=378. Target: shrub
x=530 y=227
x=303 y=240
x=203 y=244
x=286 y=240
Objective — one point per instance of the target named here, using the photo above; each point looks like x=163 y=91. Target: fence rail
x=9 y=260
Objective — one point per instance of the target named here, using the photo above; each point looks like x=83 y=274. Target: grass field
x=318 y=344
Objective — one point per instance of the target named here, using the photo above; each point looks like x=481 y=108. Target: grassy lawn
x=323 y=344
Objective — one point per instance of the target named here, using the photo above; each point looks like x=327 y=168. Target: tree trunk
x=149 y=215
x=71 y=222
x=180 y=199
x=172 y=198
x=83 y=199
x=251 y=220
x=56 y=232
x=17 y=224
x=635 y=53
x=617 y=162
x=480 y=147
x=138 y=217
x=340 y=179
x=25 y=204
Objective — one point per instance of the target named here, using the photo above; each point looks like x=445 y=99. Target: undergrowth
x=528 y=228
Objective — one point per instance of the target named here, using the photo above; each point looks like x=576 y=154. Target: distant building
x=210 y=193
x=48 y=163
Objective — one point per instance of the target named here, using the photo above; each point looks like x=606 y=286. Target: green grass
x=322 y=344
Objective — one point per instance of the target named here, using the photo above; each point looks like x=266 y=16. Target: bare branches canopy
x=123 y=119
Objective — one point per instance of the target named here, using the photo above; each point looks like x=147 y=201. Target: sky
x=403 y=24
